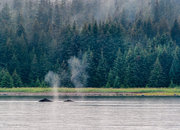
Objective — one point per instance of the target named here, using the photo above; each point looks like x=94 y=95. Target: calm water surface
x=25 y=113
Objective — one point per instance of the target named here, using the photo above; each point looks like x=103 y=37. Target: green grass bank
x=122 y=91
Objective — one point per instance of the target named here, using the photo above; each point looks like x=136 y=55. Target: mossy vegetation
x=128 y=91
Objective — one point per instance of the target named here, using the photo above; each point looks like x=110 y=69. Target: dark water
x=25 y=113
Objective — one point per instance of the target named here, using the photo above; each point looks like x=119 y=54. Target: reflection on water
x=90 y=114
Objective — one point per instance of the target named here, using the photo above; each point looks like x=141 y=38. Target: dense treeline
x=120 y=51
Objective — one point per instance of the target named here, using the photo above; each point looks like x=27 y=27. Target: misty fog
x=85 y=10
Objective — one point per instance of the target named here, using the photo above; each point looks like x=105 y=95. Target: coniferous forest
x=124 y=43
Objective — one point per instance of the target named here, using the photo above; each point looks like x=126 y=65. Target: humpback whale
x=68 y=100
x=45 y=100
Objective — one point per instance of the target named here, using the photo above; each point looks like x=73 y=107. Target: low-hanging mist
x=83 y=11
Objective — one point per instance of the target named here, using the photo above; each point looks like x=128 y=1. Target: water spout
x=54 y=80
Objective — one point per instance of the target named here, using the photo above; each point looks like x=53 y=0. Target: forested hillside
x=124 y=43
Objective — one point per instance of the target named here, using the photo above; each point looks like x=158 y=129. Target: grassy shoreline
x=96 y=91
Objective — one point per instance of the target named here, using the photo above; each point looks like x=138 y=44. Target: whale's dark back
x=45 y=100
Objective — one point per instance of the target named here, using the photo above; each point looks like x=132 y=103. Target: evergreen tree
x=165 y=60
x=108 y=85
x=17 y=79
x=156 y=11
x=148 y=28
x=34 y=69
x=175 y=68
x=91 y=81
x=117 y=83
x=7 y=80
x=136 y=69
x=172 y=85
x=23 y=58
x=175 y=32
x=37 y=83
x=2 y=73
x=8 y=51
x=157 y=77
x=116 y=75
x=13 y=64
x=118 y=68
x=110 y=80
x=43 y=84
x=21 y=31
x=102 y=72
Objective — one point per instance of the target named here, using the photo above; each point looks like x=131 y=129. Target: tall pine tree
x=157 y=76
x=175 y=67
